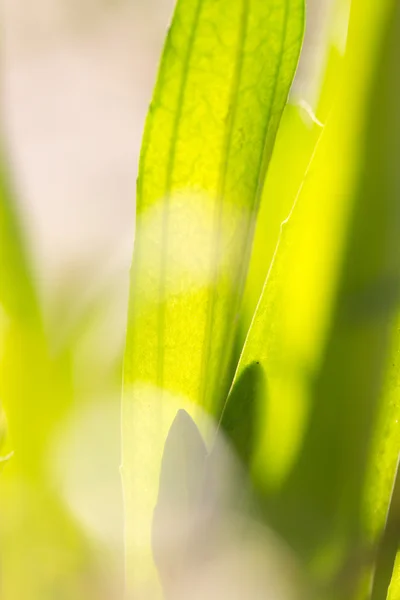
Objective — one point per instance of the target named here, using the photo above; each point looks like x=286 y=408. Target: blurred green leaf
x=298 y=134
x=394 y=589
x=389 y=545
x=295 y=305
x=28 y=373
x=322 y=326
x=5 y=448
x=381 y=520
x=20 y=319
x=39 y=536
x=386 y=444
x=224 y=78
x=327 y=481
x=17 y=295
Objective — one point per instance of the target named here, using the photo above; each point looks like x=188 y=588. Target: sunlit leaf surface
x=298 y=133
x=223 y=82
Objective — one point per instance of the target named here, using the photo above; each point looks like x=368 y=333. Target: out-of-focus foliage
x=43 y=549
x=45 y=552
x=323 y=325
x=394 y=589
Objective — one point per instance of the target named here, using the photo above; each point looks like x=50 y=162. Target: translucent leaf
x=224 y=78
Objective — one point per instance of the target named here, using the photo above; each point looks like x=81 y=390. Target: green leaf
x=321 y=330
x=381 y=507
x=346 y=391
x=34 y=390
x=224 y=79
x=298 y=134
x=394 y=589
x=5 y=451
x=240 y=416
x=386 y=444
x=389 y=545
x=20 y=320
x=17 y=294
x=381 y=514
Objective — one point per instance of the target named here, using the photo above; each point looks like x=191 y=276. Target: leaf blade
x=335 y=374
x=223 y=82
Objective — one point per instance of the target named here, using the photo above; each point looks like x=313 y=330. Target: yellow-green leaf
x=394 y=589
x=320 y=331
x=224 y=78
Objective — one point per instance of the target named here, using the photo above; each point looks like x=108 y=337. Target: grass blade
x=224 y=78
x=320 y=331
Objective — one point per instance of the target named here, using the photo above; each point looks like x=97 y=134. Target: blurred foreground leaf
x=17 y=294
x=39 y=538
x=394 y=590
x=389 y=545
x=326 y=484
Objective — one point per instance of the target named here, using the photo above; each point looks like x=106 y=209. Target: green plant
x=314 y=402
x=261 y=395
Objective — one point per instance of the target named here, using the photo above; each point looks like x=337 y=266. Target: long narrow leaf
x=394 y=589
x=224 y=78
x=318 y=332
